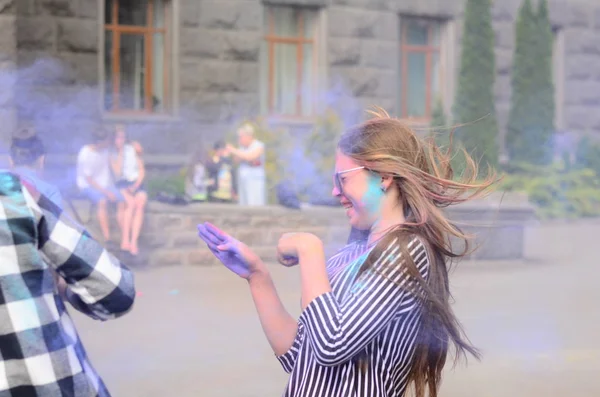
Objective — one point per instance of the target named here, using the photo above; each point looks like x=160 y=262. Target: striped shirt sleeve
x=98 y=284
x=338 y=331
x=288 y=359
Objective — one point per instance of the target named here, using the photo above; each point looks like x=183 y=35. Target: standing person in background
x=129 y=171
x=94 y=177
x=251 y=170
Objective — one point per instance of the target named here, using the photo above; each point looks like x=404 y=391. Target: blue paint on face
x=373 y=196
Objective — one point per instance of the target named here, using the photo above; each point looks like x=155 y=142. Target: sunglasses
x=337 y=180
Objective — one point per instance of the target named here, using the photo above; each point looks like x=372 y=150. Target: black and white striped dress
x=373 y=317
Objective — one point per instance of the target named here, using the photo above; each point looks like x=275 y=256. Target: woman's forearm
x=278 y=325
x=313 y=272
x=246 y=156
x=239 y=155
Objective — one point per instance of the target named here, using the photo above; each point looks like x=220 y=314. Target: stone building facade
x=212 y=62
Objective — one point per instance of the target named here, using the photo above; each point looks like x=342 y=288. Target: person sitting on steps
x=129 y=171
x=94 y=177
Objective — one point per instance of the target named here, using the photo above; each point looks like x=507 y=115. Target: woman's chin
x=357 y=223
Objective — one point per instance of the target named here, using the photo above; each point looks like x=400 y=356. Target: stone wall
x=59 y=63
x=220 y=49
x=579 y=23
x=57 y=53
x=55 y=45
x=363 y=34
x=169 y=235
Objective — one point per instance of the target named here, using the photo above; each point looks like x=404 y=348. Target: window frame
x=429 y=51
x=271 y=40
x=147 y=31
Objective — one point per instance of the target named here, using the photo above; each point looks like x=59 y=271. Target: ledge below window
x=140 y=116
x=291 y=121
x=150 y=160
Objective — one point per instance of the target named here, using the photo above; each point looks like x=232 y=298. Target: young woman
x=376 y=316
x=129 y=172
x=251 y=178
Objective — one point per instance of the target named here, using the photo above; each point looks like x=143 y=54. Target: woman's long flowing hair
x=426 y=184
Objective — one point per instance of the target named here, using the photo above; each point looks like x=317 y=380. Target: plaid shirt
x=41 y=354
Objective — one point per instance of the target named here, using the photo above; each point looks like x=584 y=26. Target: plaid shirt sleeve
x=98 y=284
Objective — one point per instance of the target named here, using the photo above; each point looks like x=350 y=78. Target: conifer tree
x=474 y=103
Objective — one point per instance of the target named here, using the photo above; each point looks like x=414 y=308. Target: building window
x=290 y=57
x=136 y=54
x=420 y=66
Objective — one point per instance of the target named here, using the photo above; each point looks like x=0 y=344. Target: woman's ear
x=386 y=182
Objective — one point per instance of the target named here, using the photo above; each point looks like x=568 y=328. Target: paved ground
x=194 y=331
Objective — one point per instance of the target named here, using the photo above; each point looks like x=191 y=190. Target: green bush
x=319 y=149
x=439 y=124
x=171 y=184
x=441 y=132
x=559 y=191
x=588 y=154
x=439 y=121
